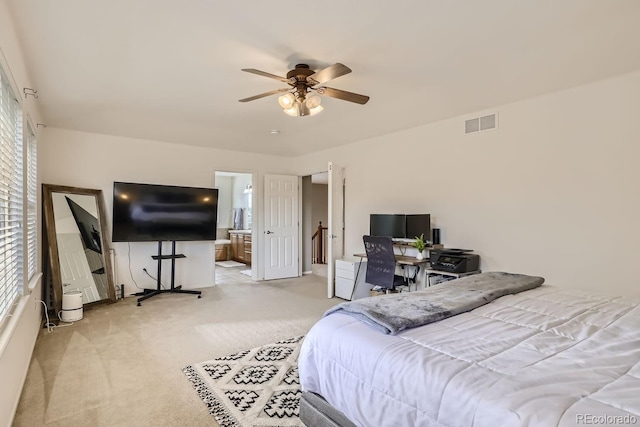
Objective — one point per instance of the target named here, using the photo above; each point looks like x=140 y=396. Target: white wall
x=551 y=192
x=95 y=161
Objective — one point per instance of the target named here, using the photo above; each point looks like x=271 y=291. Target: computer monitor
x=391 y=225
x=417 y=225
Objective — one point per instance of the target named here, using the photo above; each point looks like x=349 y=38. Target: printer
x=454 y=260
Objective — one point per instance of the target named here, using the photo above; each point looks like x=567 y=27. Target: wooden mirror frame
x=52 y=249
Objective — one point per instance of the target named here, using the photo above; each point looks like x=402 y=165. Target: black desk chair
x=381 y=263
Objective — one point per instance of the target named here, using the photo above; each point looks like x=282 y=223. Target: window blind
x=11 y=190
x=32 y=202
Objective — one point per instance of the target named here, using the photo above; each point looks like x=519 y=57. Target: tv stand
x=148 y=293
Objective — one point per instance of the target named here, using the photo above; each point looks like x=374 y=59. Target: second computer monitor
x=417 y=225
x=391 y=225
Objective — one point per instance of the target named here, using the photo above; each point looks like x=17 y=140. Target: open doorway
x=315 y=220
x=234 y=250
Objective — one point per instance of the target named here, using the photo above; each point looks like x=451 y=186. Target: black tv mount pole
x=148 y=293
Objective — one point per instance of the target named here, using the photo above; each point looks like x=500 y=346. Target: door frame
x=336 y=228
x=256 y=220
x=257 y=226
x=300 y=249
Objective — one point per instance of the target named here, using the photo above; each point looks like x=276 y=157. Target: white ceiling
x=169 y=70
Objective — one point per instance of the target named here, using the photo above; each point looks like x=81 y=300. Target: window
x=32 y=202
x=11 y=190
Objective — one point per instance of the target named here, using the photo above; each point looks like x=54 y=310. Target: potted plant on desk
x=420 y=244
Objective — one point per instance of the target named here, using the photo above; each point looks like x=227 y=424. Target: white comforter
x=545 y=357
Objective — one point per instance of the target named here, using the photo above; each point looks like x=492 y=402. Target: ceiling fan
x=300 y=99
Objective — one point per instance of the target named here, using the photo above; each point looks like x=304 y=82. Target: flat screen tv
x=148 y=212
x=391 y=225
x=417 y=225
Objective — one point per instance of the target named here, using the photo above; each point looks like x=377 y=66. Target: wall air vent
x=481 y=123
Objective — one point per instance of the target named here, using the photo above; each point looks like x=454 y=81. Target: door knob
x=269 y=232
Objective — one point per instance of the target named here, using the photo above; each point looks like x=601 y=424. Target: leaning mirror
x=78 y=250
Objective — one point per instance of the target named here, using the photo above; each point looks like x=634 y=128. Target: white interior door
x=335 y=229
x=280 y=226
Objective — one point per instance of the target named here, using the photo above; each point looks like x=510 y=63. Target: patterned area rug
x=257 y=387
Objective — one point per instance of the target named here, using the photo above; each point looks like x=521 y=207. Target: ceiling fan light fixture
x=313 y=101
x=287 y=100
x=315 y=110
x=293 y=111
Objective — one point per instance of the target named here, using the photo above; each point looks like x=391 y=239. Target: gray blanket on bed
x=393 y=313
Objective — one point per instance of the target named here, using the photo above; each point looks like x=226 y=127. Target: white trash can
x=71 y=306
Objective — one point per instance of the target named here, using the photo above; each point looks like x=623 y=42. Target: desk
x=411 y=260
x=403 y=260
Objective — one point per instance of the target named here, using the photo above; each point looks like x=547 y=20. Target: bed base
x=316 y=412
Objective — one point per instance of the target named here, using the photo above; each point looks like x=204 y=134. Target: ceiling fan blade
x=265 y=74
x=344 y=95
x=262 y=95
x=329 y=73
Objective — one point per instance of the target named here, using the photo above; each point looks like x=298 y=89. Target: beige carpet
x=121 y=365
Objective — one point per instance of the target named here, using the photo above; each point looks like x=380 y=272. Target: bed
x=548 y=356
